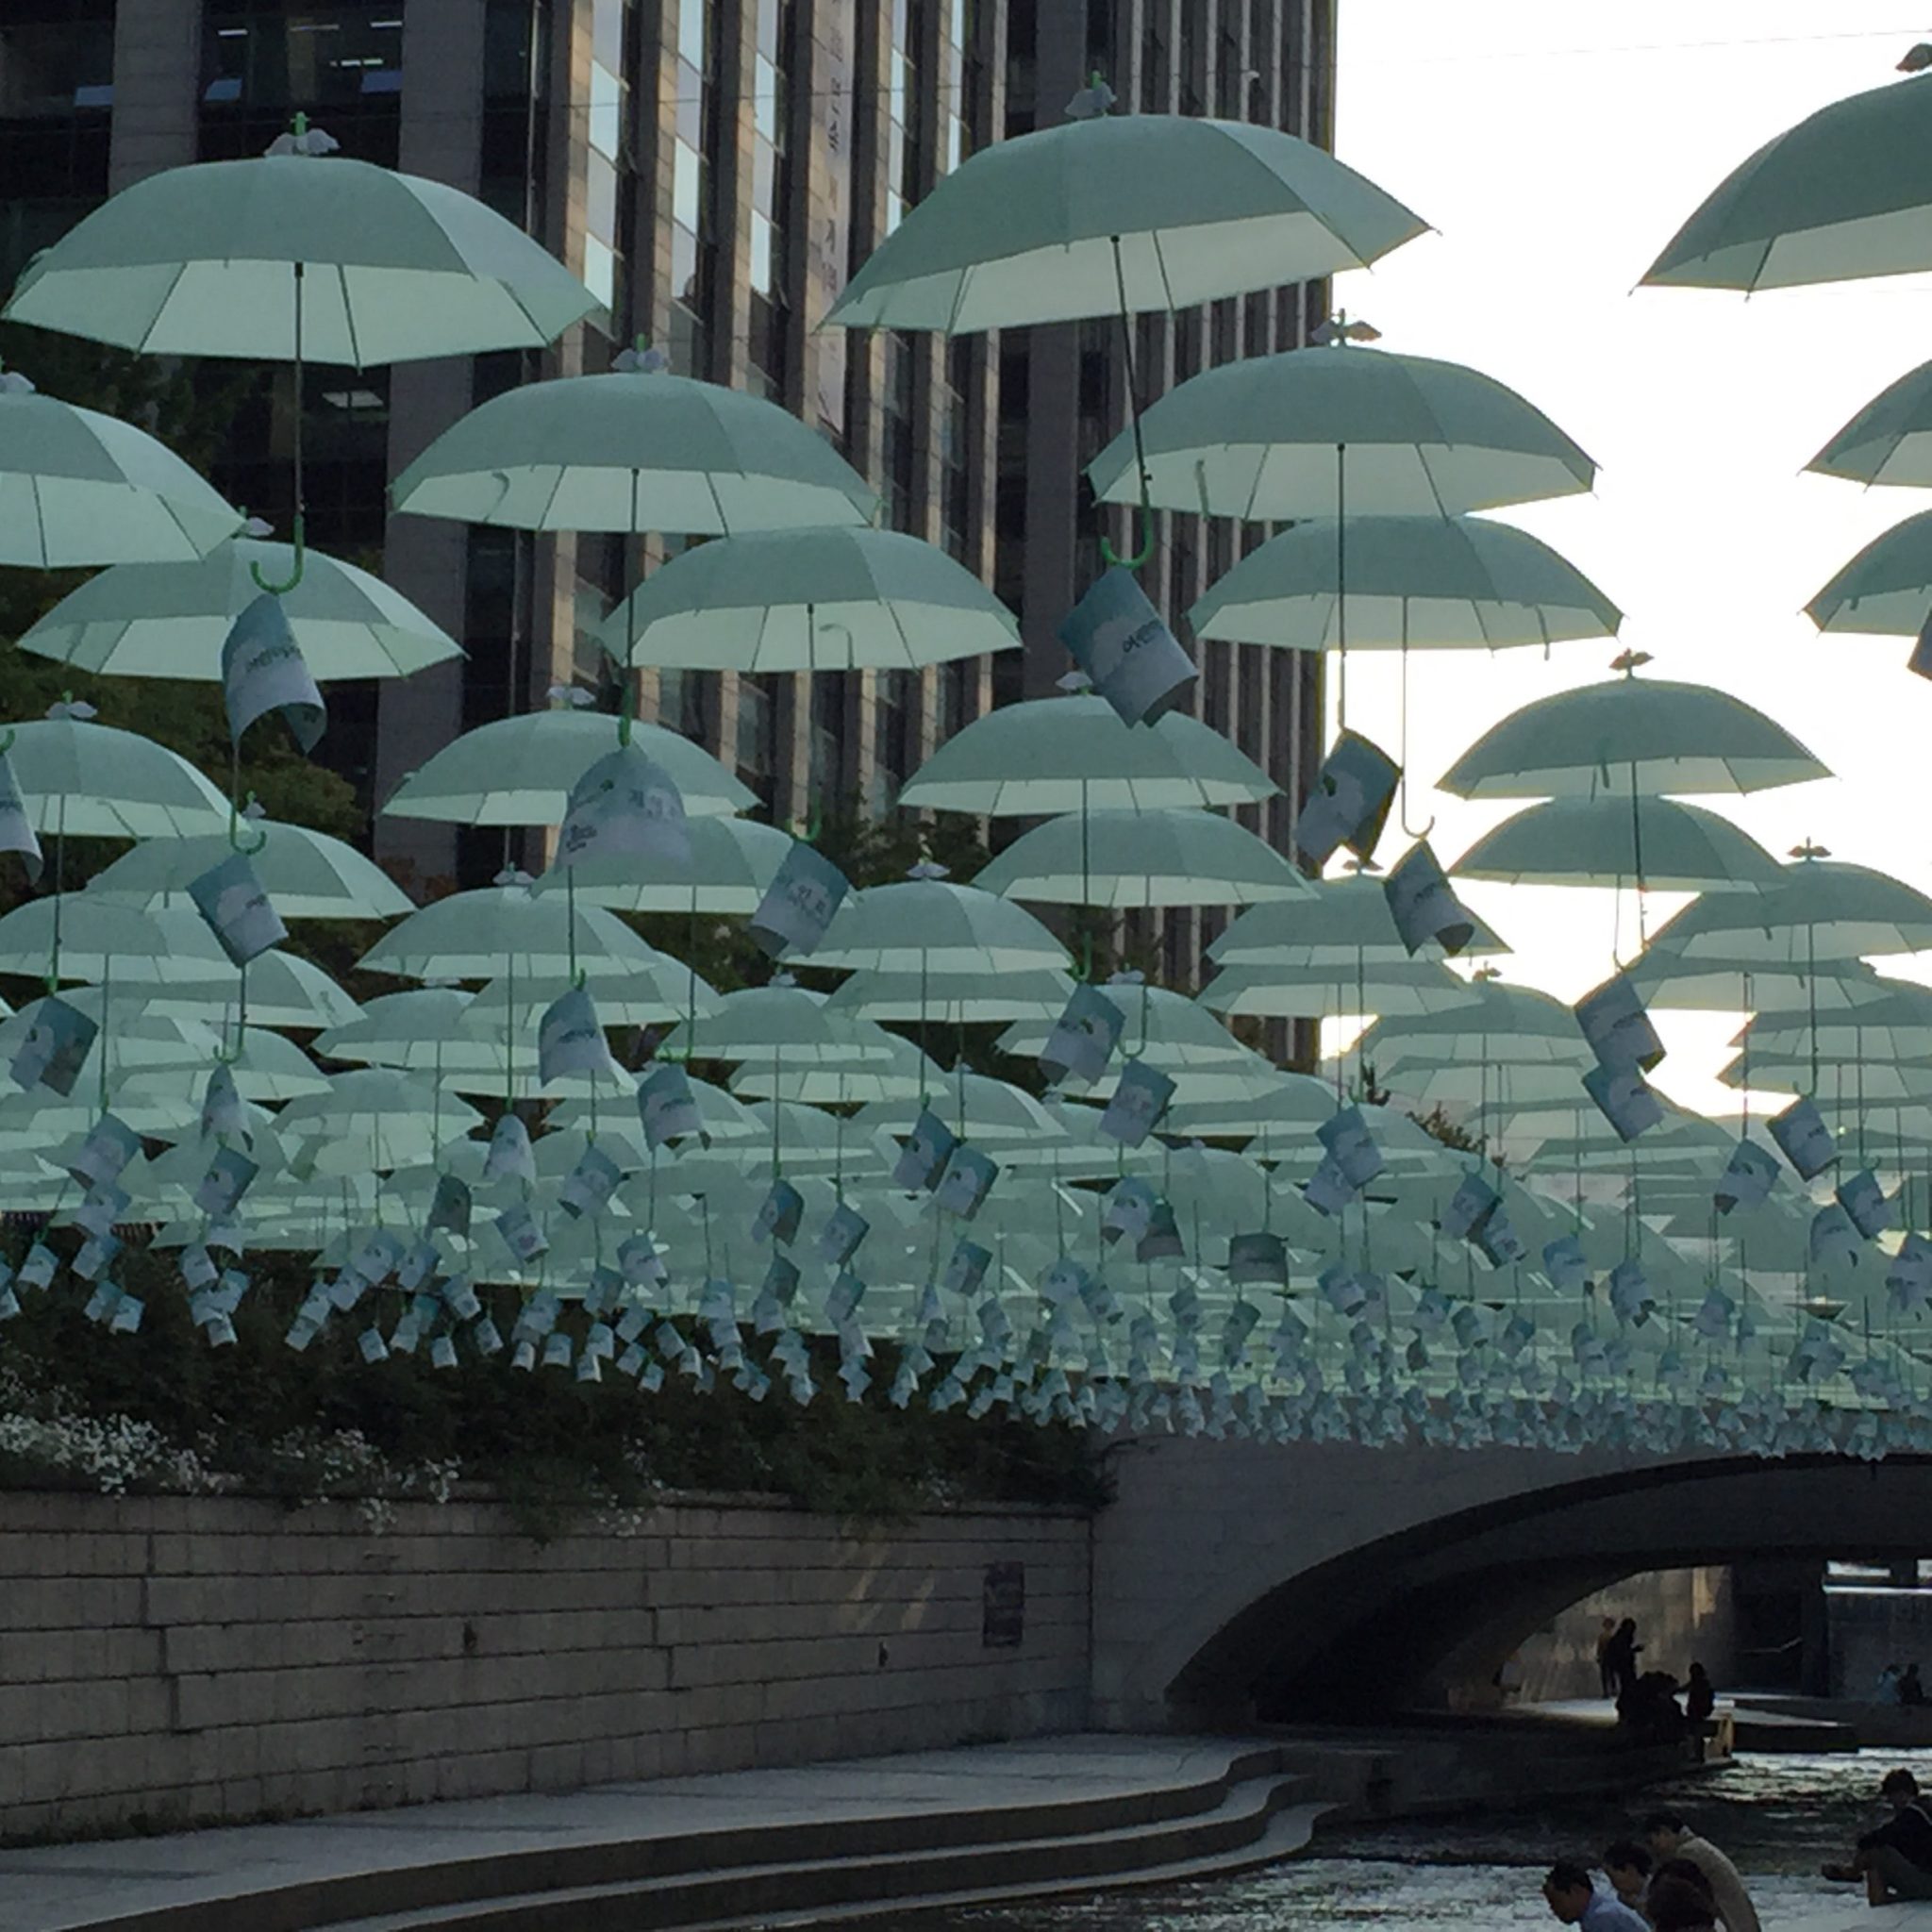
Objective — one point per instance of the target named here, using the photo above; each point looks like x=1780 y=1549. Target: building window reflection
x=57 y=95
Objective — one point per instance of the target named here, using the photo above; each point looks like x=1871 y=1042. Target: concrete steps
x=1215 y=1809
x=1258 y=1819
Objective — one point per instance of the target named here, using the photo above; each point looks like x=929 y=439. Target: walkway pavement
x=56 y=1889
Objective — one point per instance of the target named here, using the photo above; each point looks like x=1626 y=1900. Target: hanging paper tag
x=510 y=1156
x=779 y=1214
x=96 y=1252
x=965 y=1181
x=1083 y=1038
x=1348 y=804
x=1616 y=1027
x=1500 y=1242
x=1351 y=1146
x=1140 y=1096
x=521 y=1234
x=1423 y=905
x=102 y=1208
x=780 y=1285
x=1834 y=1237
x=449 y=1205
x=1712 y=1319
x=104 y=1153
x=16 y=827
x=966 y=1268
x=1566 y=1264
x=1748 y=1177
x=1342 y=1291
x=264 y=670
x=199 y=1269
x=667 y=1107
x=799 y=902
x=588 y=1188
x=571 y=1041
x=625 y=805
x=1804 y=1138
x=1630 y=1297
x=57 y=1043
x=375 y=1257
x=1328 y=1191
x=1257 y=1259
x=1909 y=1281
x=236 y=909
x=1162 y=1240
x=417 y=1266
x=1129 y=1210
x=1469 y=1208
x=228 y=1177
x=1867 y=1202
x=1116 y=635
x=927 y=1149
x=846 y=1293
x=1064 y=1281
x=1624 y=1100
x=640 y=1262
x=221 y=1105
x=839 y=1240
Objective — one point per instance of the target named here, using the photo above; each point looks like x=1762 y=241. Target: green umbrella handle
x=261 y=583
x=1112 y=557
x=247 y=846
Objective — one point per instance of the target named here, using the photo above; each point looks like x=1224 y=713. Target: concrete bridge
x=1234 y=1579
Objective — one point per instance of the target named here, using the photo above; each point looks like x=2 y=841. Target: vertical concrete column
x=157 y=88
x=426 y=558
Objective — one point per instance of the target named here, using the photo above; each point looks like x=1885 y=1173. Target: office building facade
x=714 y=169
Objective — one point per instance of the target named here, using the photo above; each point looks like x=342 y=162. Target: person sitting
x=1911 y=1688
x=1885 y=1689
x=1670 y=1837
x=1700 y=1696
x=1649 y=1708
x=1896 y=1861
x=1627 y=1865
x=1675 y=1905
x=1574 y=1900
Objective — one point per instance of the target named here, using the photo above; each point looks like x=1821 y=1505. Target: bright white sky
x=1556 y=147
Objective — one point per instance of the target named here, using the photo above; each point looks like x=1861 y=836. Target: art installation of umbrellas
x=1477 y=1225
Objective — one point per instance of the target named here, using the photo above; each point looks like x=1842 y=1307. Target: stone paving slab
x=62 y=1888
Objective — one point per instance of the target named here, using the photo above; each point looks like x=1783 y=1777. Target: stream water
x=1778 y=1816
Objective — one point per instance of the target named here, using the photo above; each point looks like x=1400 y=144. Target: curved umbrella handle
x=246 y=846
x=1113 y=559
x=261 y=583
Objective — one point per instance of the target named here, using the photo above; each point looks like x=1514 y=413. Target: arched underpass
x=1339 y=1581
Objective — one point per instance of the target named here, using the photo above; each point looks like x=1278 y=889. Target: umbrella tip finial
x=1810 y=849
x=1628 y=661
x=1093 y=101
x=1341 y=328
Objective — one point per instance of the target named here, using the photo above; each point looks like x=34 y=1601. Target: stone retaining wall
x=165 y=1660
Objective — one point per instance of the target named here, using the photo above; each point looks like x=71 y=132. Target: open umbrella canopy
x=266 y=1068
x=1286 y=1112
x=1343 y=923
x=1513 y=1024
x=933 y=926
x=283 y=989
x=1170 y=855
x=1889 y=439
x=307 y=875
x=1047 y=756
x=903 y=1073
x=170 y=620
x=89 y=780
x=954 y=999
x=201 y=261
x=1645 y=733
x=1413 y=583
x=1897 y=1025
x=1842 y=195
x=1315 y=993
x=808 y=600
x=476 y=935
x=1665 y=978
x=786 y=1025
x=1609 y=840
x=1136 y=211
x=1259 y=438
x=633 y=452
x=96 y=939
x=374 y=1111
x=520 y=771
x=639 y=987
x=732 y=863
x=424 y=1030
x=1165 y=1028
x=1820 y=910
x=988 y=1112
x=1885 y=590
x=77 y=488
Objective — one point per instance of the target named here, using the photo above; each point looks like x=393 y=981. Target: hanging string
x=1139 y=555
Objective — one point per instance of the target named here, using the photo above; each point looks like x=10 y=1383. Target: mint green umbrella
x=1387 y=987
x=1819 y=909
x=635 y=451
x=1421 y=583
x=808 y=600
x=284 y=989
x=307 y=875
x=1653 y=843
x=519 y=771
x=170 y=620
x=954 y=999
x=1885 y=590
x=207 y=260
x=1047 y=756
x=92 y=780
x=1889 y=439
x=1631 y=734
x=1171 y=856
x=1318 y=433
x=1111 y=215
x=928 y=925
x=77 y=489
x=1842 y=195
x=1341 y=923
x=471 y=935
x=732 y=863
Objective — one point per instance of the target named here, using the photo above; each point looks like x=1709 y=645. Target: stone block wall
x=167 y=1659
x=1683 y=1616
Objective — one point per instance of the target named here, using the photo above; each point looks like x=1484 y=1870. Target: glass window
x=606 y=110
x=687 y=186
x=760 y=253
x=600 y=270
x=692 y=48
